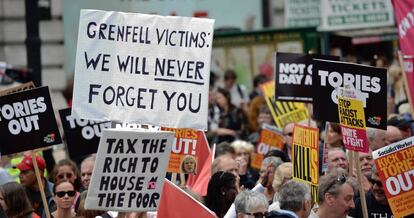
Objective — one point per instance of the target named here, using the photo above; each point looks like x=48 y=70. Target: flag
x=176 y=203
x=404 y=12
x=199 y=183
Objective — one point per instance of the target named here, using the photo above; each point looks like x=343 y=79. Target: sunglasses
x=258 y=214
x=375 y=182
x=289 y=134
x=339 y=180
x=64 y=176
x=63 y=193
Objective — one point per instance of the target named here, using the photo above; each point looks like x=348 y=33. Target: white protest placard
x=353 y=14
x=129 y=171
x=143 y=68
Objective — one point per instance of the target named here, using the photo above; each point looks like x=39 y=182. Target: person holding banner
x=64 y=196
x=28 y=179
x=14 y=201
x=335 y=195
x=377 y=203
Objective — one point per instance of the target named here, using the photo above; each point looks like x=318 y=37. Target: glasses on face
x=375 y=182
x=63 y=193
x=258 y=214
x=339 y=180
x=65 y=176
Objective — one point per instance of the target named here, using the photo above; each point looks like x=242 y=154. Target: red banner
x=409 y=75
x=404 y=14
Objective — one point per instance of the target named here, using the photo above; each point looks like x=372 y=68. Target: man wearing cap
x=27 y=178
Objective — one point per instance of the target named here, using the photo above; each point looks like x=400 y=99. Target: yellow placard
x=351 y=113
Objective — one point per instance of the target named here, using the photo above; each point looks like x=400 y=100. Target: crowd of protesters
x=235 y=189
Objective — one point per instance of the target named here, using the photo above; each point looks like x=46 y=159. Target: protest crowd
x=336 y=142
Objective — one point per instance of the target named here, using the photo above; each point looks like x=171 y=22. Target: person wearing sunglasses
x=64 y=197
x=66 y=169
x=377 y=203
x=251 y=204
x=335 y=195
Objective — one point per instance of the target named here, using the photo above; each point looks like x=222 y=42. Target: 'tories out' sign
x=27 y=121
x=143 y=68
x=396 y=169
x=370 y=81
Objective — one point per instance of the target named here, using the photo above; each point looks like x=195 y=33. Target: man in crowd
x=377 y=203
x=337 y=158
x=250 y=204
x=335 y=195
x=366 y=162
x=403 y=124
x=376 y=138
x=28 y=179
x=238 y=93
x=295 y=201
x=393 y=134
x=86 y=171
x=225 y=163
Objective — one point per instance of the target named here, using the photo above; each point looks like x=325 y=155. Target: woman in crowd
x=244 y=151
x=64 y=197
x=14 y=201
x=232 y=122
x=334 y=137
x=283 y=174
x=66 y=169
x=221 y=192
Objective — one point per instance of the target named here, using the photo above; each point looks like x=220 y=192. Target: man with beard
x=335 y=195
x=377 y=203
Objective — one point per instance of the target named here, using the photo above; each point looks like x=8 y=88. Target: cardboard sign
x=303 y=13
x=371 y=82
x=19 y=88
x=188 y=152
x=404 y=13
x=129 y=171
x=353 y=14
x=396 y=169
x=294 y=76
x=352 y=121
x=305 y=157
x=283 y=112
x=27 y=121
x=268 y=140
x=82 y=136
x=143 y=68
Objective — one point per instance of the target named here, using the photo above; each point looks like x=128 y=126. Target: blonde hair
x=186 y=159
x=282 y=172
x=242 y=146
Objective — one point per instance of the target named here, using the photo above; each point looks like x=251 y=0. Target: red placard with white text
x=187 y=144
x=395 y=165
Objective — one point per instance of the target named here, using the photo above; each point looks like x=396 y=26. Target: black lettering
x=107 y=165
x=93 y=34
x=169 y=99
x=93 y=62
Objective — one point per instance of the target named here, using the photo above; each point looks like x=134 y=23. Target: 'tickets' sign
x=27 y=121
x=294 y=76
x=370 y=81
x=142 y=68
x=396 y=169
x=82 y=136
x=305 y=157
x=188 y=152
x=129 y=170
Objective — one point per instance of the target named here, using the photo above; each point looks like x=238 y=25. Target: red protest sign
x=189 y=148
x=268 y=140
x=395 y=165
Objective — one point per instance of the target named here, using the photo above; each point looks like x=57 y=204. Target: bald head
x=225 y=163
x=376 y=138
x=393 y=134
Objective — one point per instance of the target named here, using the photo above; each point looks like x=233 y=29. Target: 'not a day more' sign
x=142 y=68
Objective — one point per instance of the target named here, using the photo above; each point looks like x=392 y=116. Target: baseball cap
x=27 y=163
x=399 y=122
